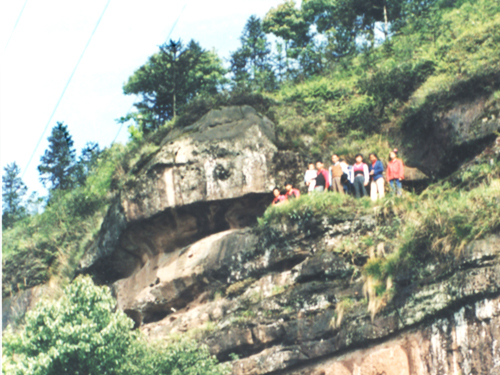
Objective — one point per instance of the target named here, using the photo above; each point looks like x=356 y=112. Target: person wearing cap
x=335 y=175
x=322 y=182
x=395 y=172
x=291 y=193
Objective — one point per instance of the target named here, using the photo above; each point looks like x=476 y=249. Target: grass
x=412 y=231
x=310 y=207
x=48 y=246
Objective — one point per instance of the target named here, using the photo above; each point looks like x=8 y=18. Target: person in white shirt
x=310 y=177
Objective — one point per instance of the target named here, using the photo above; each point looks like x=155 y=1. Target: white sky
x=49 y=39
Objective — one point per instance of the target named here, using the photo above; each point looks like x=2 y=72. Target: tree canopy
x=13 y=192
x=251 y=63
x=57 y=164
x=172 y=77
x=81 y=333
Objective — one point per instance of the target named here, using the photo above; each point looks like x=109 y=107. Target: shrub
x=81 y=333
x=78 y=334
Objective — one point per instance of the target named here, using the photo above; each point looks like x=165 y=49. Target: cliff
x=190 y=249
x=184 y=255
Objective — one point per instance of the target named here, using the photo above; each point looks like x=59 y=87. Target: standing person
x=321 y=178
x=278 y=197
x=310 y=177
x=335 y=173
x=347 y=178
x=361 y=176
x=395 y=172
x=291 y=193
x=377 y=188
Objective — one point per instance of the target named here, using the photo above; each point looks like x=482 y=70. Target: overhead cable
x=15 y=25
x=65 y=88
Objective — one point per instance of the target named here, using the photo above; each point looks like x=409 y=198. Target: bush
x=78 y=334
x=82 y=334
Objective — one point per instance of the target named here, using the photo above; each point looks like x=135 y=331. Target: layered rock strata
x=211 y=177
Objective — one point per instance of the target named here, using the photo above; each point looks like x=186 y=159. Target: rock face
x=181 y=254
x=212 y=177
x=450 y=136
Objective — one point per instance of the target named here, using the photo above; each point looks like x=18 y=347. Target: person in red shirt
x=291 y=193
x=278 y=197
x=395 y=172
x=322 y=177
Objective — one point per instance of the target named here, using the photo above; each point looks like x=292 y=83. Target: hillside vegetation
x=369 y=101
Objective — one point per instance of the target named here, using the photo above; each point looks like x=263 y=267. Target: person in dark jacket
x=322 y=182
x=377 y=188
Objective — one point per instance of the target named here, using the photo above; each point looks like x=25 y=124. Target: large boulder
x=213 y=176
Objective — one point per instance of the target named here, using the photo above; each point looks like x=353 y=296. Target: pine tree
x=57 y=166
x=251 y=63
x=170 y=79
x=87 y=160
x=13 y=192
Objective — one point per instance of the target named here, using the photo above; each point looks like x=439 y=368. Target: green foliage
x=50 y=244
x=435 y=226
x=250 y=64
x=184 y=357
x=309 y=207
x=81 y=333
x=405 y=82
x=171 y=78
x=78 y=334
x=57 y=166
x=13 y=192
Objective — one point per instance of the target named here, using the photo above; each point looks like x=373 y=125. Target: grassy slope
x=450 y=55
x=352 y=109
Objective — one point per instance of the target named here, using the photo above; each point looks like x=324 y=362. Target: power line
x=175 y=23
x=168 y=37
x=65 y=88
x=15 y=25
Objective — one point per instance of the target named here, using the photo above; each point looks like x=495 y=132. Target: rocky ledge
x=182 y=254
x=211 y=177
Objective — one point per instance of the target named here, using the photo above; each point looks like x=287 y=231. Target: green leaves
x=13 y=192
x=79 y=333
x=82 y=334
x=171 y=78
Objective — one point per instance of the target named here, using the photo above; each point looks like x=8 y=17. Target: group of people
x=350 y=179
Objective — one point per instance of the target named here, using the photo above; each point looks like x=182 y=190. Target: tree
x=78 y=334
x=250 y=64
x=87 y=160
x=13 y=192
x=287 y=22
x=58 y=163
x=81 y=333
x=170 y=79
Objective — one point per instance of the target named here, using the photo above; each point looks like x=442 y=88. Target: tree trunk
x=385 y=21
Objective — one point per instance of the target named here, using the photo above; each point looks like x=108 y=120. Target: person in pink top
x=291 y=192
x=395 y=172
x=361 y=176
x=278 y=197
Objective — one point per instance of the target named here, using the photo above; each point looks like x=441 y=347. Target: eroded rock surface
x=182 y=256
x=213 y=177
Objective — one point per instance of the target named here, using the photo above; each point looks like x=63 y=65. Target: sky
x=40 y=52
